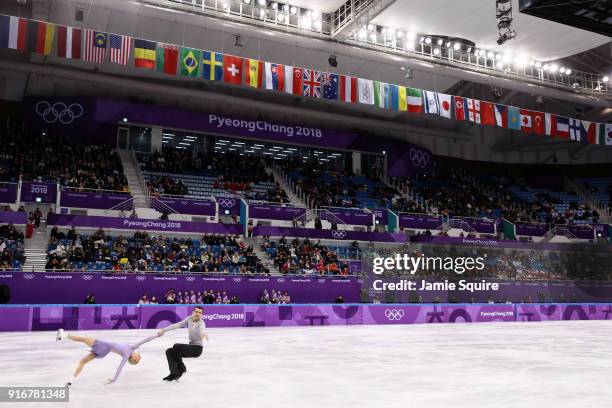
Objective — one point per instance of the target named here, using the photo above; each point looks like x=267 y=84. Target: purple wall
x=81 y=317
x=8 y=193
x=85 y=221
x=57 y=287
x=275 y=212
x=13 y=217
x=186 y=206
x=101 y=201
x=264 y=230
x=31 y=190
x=419 y=221
x=351 y=217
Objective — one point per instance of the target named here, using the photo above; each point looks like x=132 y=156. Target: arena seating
x=52 y=158
x=600 y=189
x=179 y=173
x=144 y=252
x=11 y=248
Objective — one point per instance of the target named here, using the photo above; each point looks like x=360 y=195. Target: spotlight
x=293 y=10
x=532 y=63
x=261 y=2
x=568 y=71
x=281 y=18
x=373 y=37
x=333 y=61
x=436 y=51
x=125 y=120
x=422 y=40
x=285 y=8
x=456 y=46
x=562 y=70
x=317 y=25
x=481 y=53
x=274 y=6
x=545 y=67
x=554 y=68
x=411 y=35
x=469 y=49
x=247 y=1
x=448 y=44
x=498 y=56
x=370 y=27
x=399 y=34
x=428 y=40
x=500 y=64
x=538 y=64
x=440 y=42
x=520 y=62
x=605 y=79
x=490 y=55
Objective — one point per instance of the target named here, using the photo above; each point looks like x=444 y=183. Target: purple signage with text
x=122 y=317
x=275 y=212
x=531 y=230
x=380 y=214
x=185 y=206
x=84 y=221
x=8 y=193
x=419 y=221
x=228 y=205
x=38 y=192
x=351 y=216
x=101 y=201
x=264 y=230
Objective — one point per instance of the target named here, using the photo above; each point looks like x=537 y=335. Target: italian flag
x=415 y=100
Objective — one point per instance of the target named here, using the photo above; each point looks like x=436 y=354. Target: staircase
x=36 y=250
x=135 y=180
x=283 y=181
x=557 y=231
x=456 y=223
x=265 y=259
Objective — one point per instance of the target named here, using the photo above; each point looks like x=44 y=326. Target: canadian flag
x=526 y=120
x=348 y=88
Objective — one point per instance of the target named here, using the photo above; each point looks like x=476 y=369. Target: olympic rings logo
x=321 y=281
x=338 y=234
x=394 y=314
x=59 y=111
x=190 y=278
x=141 y=278
x=227 y=202
x=29 y=276
x=419 y=158
x=87 y=277
x=280 y=279
x=237 y=279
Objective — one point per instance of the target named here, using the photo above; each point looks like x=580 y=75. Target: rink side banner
x=121 y=317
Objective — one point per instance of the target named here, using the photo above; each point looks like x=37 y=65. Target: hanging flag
x=144 y=53
x=445 y=105
x=526 y=120
x=254 y=72
x=9 y=32
x=167 y=58
x=460 y=108
x=348 y=88
x=232 y=69
x=605 y=134
x=514 y=118
x=312 y=83
x=562 y=130
x=589 y=132
x=473 y=110
x=501 y=115
x=403 y=99
x=212 y=65
x=539 y=123
x=40 y=37
x=120 y=48
x=432 y=105
x=487 y=113
x=415 y=100
x=365 y=87
x=575 y=129
x=297 y=88
x=394 y=97
x=550 y=124
x=329 y=82
x=275 y=76
x=190 y=62
x=95 y=46
x=288 y=79
x=381 y=94
x=69 y=42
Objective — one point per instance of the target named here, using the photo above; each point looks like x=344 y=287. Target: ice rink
x=560 y=364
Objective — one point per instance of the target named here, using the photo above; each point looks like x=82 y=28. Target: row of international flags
x=92 y=46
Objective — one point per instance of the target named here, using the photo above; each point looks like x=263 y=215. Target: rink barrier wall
x=119 y=317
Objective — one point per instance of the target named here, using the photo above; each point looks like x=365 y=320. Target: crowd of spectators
x=69 y=161
x=304 y=257
x=187 y=297
x=12 y=251
x=166 y=185
x=144 y=252
x=274 y=297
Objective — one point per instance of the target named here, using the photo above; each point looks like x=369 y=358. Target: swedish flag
x=212 y=63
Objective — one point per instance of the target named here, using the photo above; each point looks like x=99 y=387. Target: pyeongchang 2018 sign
x=252 y=126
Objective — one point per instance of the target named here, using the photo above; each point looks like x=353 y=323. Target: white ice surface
x=552 y=364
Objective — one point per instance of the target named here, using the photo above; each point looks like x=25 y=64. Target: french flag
x=501 y=115
x=275 y=76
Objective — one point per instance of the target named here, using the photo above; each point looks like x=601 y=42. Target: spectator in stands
x=144 y=300
x=170 y=296
x=153 y=300
x=339 y=299
x=265 y=297
x=90 y=299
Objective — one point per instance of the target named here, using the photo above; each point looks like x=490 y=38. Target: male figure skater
x=176 y=353
x=100 y=348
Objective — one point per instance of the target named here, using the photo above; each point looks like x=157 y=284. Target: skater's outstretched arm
x=123 y=361
x=135 y=346
x=177 y=325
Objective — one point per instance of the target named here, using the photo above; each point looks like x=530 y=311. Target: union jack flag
x=312 y=83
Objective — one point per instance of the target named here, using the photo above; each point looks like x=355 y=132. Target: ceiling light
x=554 y=68
x=545 y=67
x=428 y=40
x=490 y=54
x=274 y=6
x=440 y=41
x=605 y=79
x=286 y=8
x=261 y=2
x=568 y=71
x=411 y=35
x=293 y=10
x=481 y=53
x=281 y=18
x=247 y=1
x=538 y=64
x=500 y=64
x=448 y=44
x=436 y=51
x=399 y=34
x=370 y=27
x=562 y=70
x=532 y=63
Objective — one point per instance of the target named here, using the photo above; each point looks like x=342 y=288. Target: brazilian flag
x=191 y=62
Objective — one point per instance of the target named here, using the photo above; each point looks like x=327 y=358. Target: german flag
x=144 y=54
x=35 y=36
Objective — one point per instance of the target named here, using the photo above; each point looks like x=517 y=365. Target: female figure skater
x=100 y=348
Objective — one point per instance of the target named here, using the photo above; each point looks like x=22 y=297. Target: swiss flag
x=298 y=81
x=460 y=109
x=526 y=120
x=539 y=123
x=348 y=89
x=232 y=69
x=487 y=113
